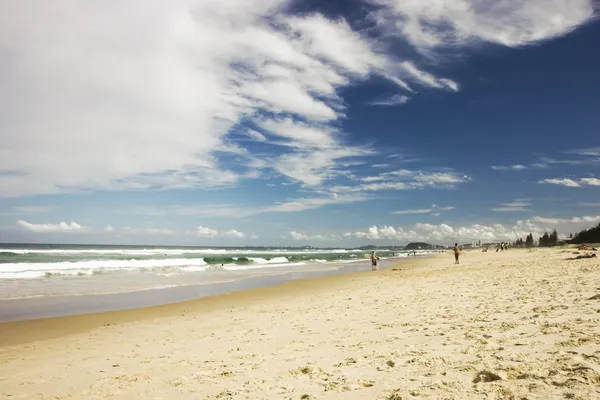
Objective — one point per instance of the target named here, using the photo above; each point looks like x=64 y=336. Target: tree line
x=591 y=235
x=546 y=240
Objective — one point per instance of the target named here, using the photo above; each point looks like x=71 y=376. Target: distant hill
x=370 y=247
x=419 y=246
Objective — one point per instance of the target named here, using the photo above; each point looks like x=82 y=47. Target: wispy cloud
x=581 y=161
x=588 y=204
x=239 y=210
x=517 y=205
x=394 y=100
x=424 y=210
x=516 y=167
x=405 y=179
x=25 y=210
x=409 y=212
x=594 y=152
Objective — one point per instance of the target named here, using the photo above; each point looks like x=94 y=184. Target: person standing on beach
x=456 y=253
x=373 y=261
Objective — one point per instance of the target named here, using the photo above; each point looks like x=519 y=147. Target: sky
x=290 y=123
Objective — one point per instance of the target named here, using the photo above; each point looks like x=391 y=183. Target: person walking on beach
x=373 y=261
x=456 y=253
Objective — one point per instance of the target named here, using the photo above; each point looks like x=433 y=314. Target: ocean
x=45 y=270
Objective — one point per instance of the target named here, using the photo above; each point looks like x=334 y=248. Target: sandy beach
x=510 y=325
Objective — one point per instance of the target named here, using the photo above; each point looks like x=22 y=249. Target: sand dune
x=514 y=325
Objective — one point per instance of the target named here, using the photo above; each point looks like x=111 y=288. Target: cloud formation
x=298 y=236
x=137 y=97
x=61 y=227
x=132 y=92
x=444 y=233
x=453 y=23
x=568 y=182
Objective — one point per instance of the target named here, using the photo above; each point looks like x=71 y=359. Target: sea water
x=47 y=270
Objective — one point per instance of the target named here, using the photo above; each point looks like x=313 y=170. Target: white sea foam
x=36 y=270
x=274 y=260
x=232 y=267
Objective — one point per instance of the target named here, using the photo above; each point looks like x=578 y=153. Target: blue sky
x=273 y=122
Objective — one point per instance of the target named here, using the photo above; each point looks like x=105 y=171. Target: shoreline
x=19 y=331
x=51 y=306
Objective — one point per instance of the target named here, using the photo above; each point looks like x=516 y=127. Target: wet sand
x=518 y=324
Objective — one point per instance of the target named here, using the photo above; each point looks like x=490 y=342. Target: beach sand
x=510 y=325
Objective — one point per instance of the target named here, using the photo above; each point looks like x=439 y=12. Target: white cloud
x=516 y=167
x=394 y=100
x=109 y=229
x=590 y=181
x=76 y=85
x=451 y=23
x=562 y=182
x=62 y=227
x=205 y=232
x=304 y=237
x=572 y=182
x=298 y=236
x=232 y=233
x=255 y=135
